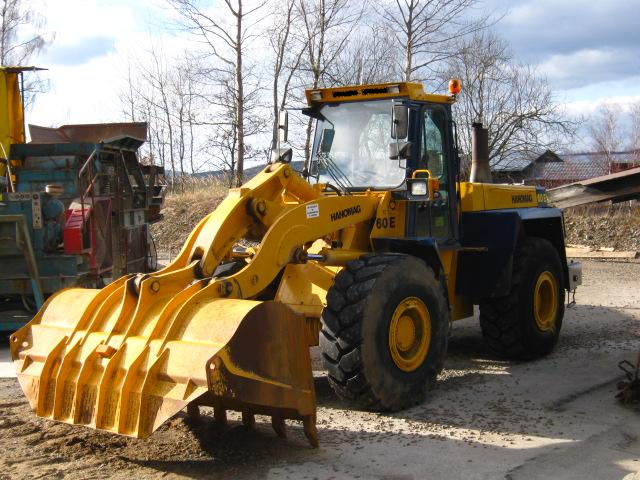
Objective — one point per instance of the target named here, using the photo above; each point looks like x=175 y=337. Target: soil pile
x=617 y=228
x=183 y=211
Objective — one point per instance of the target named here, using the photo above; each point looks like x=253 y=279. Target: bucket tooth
x=220 y=415
x=40 y=385
x=129 y=393
x=248 y=419
x=109 y=391
x=310 y=430
x=193 y=411
x=277 y=422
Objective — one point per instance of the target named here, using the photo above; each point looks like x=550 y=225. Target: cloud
x=588 y=66
x=588 y=50
x=79 y=52
x=538 y=28
x=88 y=60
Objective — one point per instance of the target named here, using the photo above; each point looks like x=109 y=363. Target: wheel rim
x=545 y=301
x=410 y=334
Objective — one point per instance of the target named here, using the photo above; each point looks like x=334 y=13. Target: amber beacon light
x=455 y=86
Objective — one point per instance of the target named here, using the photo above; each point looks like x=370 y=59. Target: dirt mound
x=183 y=211
x=615 y=228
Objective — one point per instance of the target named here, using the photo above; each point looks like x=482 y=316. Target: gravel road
x=488 y=418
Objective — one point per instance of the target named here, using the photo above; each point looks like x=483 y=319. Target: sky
x=588 y=50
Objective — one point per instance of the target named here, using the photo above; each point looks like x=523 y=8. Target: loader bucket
x=87 y=359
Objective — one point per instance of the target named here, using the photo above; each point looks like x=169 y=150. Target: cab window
x=433 y=157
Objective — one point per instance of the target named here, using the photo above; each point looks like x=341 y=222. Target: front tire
x=526 y=323
x=384 y=331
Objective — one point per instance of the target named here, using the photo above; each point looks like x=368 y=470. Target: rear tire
x=384 y=331
x=526 y=323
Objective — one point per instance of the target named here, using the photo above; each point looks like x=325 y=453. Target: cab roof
x=413 y=91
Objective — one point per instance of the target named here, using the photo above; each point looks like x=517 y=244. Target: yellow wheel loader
x=371 y=252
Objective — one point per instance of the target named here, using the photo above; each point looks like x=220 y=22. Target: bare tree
x=16 y=49
x=165 y=94
x=429 y=31
x=327 y=26
x=511 y=100
x=635 y=131
x=288 y=48
x=22 y=36
x=370 y=57
x=606 y=135
x=226 y=32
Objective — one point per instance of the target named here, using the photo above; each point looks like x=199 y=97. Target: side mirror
x=283 y=126
x=399 y=122
x=400 y=150
x=326 y=139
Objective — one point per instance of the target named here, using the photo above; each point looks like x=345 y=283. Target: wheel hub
x=410 y=334
x=406 y=333
x=545 y=301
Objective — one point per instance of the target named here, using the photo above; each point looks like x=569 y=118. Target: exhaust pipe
x=480 y=171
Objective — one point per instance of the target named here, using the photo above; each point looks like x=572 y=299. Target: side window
x=434 y=158
x=433 y=146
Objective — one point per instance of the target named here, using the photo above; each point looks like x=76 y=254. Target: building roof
x=520 y=164
x=511 y=166
x=570 y=166
x=629 y=156
x=568 y=170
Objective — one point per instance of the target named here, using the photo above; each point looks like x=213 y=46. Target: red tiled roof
x=568 y=170
x=580 y=166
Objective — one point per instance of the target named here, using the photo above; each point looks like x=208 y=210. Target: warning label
x=313 y=210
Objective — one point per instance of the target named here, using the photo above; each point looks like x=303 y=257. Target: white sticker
x=313 y=210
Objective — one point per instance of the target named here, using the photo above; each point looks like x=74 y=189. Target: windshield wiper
x=332 y=169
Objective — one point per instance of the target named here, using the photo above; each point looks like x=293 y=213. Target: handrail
x=90 y=186
x=87 y=162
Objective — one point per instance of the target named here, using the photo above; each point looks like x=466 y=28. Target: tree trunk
x=240 y=99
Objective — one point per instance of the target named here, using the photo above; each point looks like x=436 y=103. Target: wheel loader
x=371 y=252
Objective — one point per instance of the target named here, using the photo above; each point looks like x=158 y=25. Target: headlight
x=419 y=187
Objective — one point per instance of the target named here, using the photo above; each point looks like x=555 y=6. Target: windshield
x=351 y=146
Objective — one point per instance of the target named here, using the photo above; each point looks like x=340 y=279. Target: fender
x=491 y=237
x=424 y=248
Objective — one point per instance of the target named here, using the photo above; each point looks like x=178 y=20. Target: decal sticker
x=313 y=210
x=525 y=198
x=347 y=212
x=385 y=222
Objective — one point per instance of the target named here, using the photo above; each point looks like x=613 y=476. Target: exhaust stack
x=480 y=171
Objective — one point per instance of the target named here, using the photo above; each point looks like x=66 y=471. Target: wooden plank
x=589 y=253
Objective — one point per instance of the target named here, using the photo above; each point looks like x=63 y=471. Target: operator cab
x=391 y=137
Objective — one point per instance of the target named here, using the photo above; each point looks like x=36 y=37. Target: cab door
x=435 y=219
